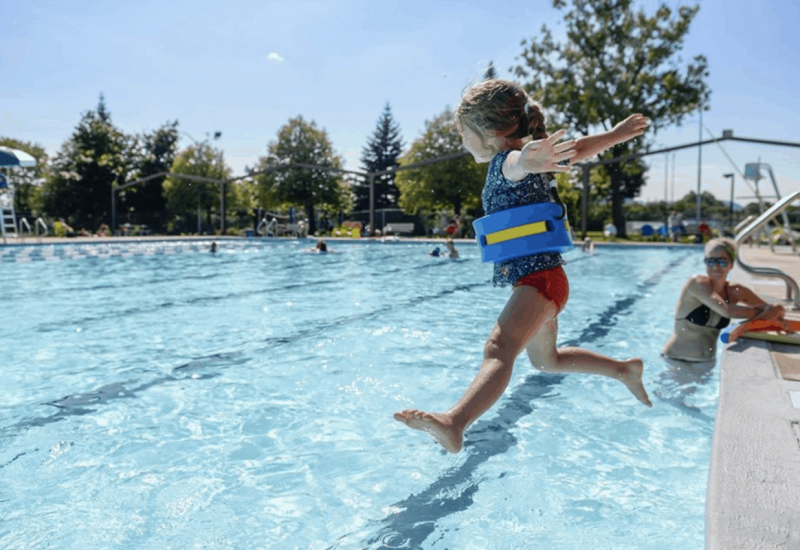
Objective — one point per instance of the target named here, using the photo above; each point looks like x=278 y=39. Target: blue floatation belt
x=522 y=231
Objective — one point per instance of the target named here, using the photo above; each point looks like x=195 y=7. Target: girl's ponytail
x=535 y=128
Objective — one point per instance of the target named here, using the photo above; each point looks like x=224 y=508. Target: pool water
x=155 y=395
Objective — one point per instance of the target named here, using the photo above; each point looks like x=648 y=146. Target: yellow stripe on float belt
x=516 y=232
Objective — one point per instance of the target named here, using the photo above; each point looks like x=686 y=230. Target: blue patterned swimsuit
x=499 y=194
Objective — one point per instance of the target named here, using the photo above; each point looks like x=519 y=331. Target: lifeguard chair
x=8 y=218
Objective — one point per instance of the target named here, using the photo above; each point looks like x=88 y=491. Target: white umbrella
x=14 y=157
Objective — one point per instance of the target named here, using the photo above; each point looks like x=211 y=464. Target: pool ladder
x=792 y=290
x=8 y=219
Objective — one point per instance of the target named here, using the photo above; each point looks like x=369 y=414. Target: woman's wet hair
x=722 y=244
x=500 y=108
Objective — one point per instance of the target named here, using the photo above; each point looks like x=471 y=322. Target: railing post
x=371 y=231
x=585 y=200
x=113 y=213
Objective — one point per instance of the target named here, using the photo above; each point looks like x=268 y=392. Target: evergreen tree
x=615 y=62
x=93 y=160
x=380 y=153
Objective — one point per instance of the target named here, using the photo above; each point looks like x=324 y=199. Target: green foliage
x=380 y=153
x=455 y=184
x=301 y=142
x=615 y=62
x=27 y=182
x=184 y=195
x=59 y=229
x=711 y=207
x=154 y=152
x=83 y=172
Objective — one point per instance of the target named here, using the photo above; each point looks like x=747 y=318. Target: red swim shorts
x=551 y=283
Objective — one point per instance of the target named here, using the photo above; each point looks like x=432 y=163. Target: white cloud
x=275 y=57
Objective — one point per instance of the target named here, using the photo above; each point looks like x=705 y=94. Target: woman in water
x=708 y=303
x=501 y=125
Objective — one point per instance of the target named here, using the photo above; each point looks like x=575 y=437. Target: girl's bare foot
x=632 y=378
x=440 y=426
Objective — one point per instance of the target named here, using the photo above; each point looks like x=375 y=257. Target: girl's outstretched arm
x=589 y=146
x=539 y=156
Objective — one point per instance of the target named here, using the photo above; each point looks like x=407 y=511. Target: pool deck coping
x=753 y=495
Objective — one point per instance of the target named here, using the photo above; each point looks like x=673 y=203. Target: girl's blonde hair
x=500 y=108
x=722 y=244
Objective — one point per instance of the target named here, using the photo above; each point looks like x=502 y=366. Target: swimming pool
x=159 y=396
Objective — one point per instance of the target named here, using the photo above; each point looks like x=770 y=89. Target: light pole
x=199 y=147
x=730 y=214
x=699 y=164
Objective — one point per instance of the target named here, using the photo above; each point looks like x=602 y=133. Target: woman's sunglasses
x=719 y=262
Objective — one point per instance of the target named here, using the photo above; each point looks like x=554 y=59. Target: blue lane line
x=487 y=438
x=210 y=366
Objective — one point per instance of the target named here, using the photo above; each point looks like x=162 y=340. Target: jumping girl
x=495 y=119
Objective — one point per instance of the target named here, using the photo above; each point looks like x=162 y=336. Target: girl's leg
x=545 y=356
x=523 y=315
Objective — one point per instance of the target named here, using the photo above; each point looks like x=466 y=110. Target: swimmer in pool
x=708 y=303
x=501 y=125
x=319 y=248
x=451 y=249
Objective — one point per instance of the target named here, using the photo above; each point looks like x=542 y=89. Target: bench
x=398 y=228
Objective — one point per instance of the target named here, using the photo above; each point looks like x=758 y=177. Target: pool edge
x=753 y=494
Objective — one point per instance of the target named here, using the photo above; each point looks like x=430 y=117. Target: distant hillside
x=736 y=205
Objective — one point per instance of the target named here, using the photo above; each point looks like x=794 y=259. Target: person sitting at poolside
x=454 y=229
x=707 y=304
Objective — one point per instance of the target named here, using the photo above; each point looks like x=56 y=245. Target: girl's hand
x=633 y=126
x=545 y=154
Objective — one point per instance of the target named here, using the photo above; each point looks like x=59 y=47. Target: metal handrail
x=24 y=221
x=743 y=223
x=792 y=290
x=40 y=221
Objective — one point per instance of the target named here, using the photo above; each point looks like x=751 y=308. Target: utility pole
x=699 y=163
x=730 y=211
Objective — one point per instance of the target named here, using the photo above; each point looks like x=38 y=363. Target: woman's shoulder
x=698 y=282
x=738 y=289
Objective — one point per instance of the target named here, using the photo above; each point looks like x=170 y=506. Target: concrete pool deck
x=753 y=499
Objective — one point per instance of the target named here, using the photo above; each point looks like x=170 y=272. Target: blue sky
x=245 y=67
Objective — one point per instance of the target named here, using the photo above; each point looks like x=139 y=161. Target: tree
x=301 y=142
x=94 y=159
x=490 y=73
x=381 y=153
x=27 y=182
x=155 y=154
x=185 y=195
x=455 y=184
x=615 y=63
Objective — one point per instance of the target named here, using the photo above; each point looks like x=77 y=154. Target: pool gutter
x=753 y=498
